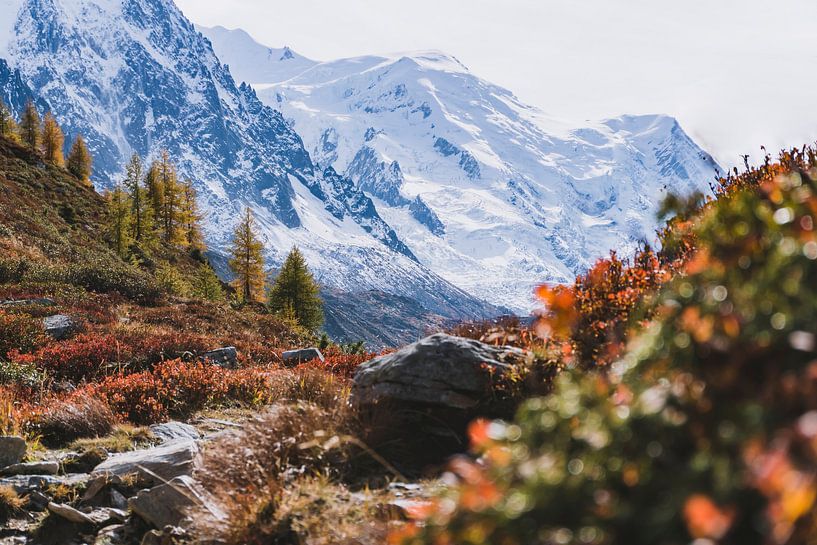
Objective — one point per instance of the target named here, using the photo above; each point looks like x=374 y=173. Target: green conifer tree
x=79 y=160
x=206 y=284
x=155 y=192
x=52 y=141
x=8 y=127
x=296 y=293
x=247 y=260
x=190 y=217
x=140 y=210
x=119 y=221
x=29 y=127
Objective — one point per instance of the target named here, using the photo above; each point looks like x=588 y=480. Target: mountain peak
x=256 y=63
x=432 y=59
x=287 y=54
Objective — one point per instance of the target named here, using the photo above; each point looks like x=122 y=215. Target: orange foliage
x=591 y=316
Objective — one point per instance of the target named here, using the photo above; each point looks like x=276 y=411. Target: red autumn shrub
x=19 y=332
x=85 y=357
x=149 y=347
x=337 y=363
x=178 y=389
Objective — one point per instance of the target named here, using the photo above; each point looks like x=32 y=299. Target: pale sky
x=736 y=73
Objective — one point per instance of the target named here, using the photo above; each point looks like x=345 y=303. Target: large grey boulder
x=225 y=357
x=60 y=326
x=152 y=466
x=440 y=370
x=167 y=504
x=170 y=432
x=295 y=357
x=12 y=450
x=418 y=401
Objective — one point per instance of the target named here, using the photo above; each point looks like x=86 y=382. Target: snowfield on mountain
x=492 y=194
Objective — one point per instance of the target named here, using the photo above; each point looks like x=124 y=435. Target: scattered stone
x=154 y=537
x=43 y=301
x=85 y=462
x=107 y=515
x=225 y=357
x=170 y=535
x=110 y=535
x=37 y=501
x=174 y=431
x=23 y=484
x=118 y=501
x=60 y=326
x=295 y=357
x=69 y=513
x=31 y=468
x=153 y=466
x=97 y=485
x=12 y=450
x=165 y=505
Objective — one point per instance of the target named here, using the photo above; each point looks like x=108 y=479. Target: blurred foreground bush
x=704 y=430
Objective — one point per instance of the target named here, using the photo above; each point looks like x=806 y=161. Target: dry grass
x=122 y=438
x=321 y=512
x=80 y=416
x=247 y=472
x=10 y=503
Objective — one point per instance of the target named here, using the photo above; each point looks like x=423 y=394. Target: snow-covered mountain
x=490 y=193
x=136 y=76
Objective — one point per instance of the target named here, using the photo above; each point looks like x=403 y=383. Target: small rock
x=110 y=535
x=31 y=468
x=294 y=357
x=12 y=450
x=97 y=485
x=225 y=357
x=37 y=501
x=118 y=501
x=154 y=537
x=107 y=515
x=165 y=505
x=85 y=462
x=60 y=326
x=169 y=535
x=69 y=513
x=153 y=466
x=174 y=431
x=43 y=301
x=23 y=484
